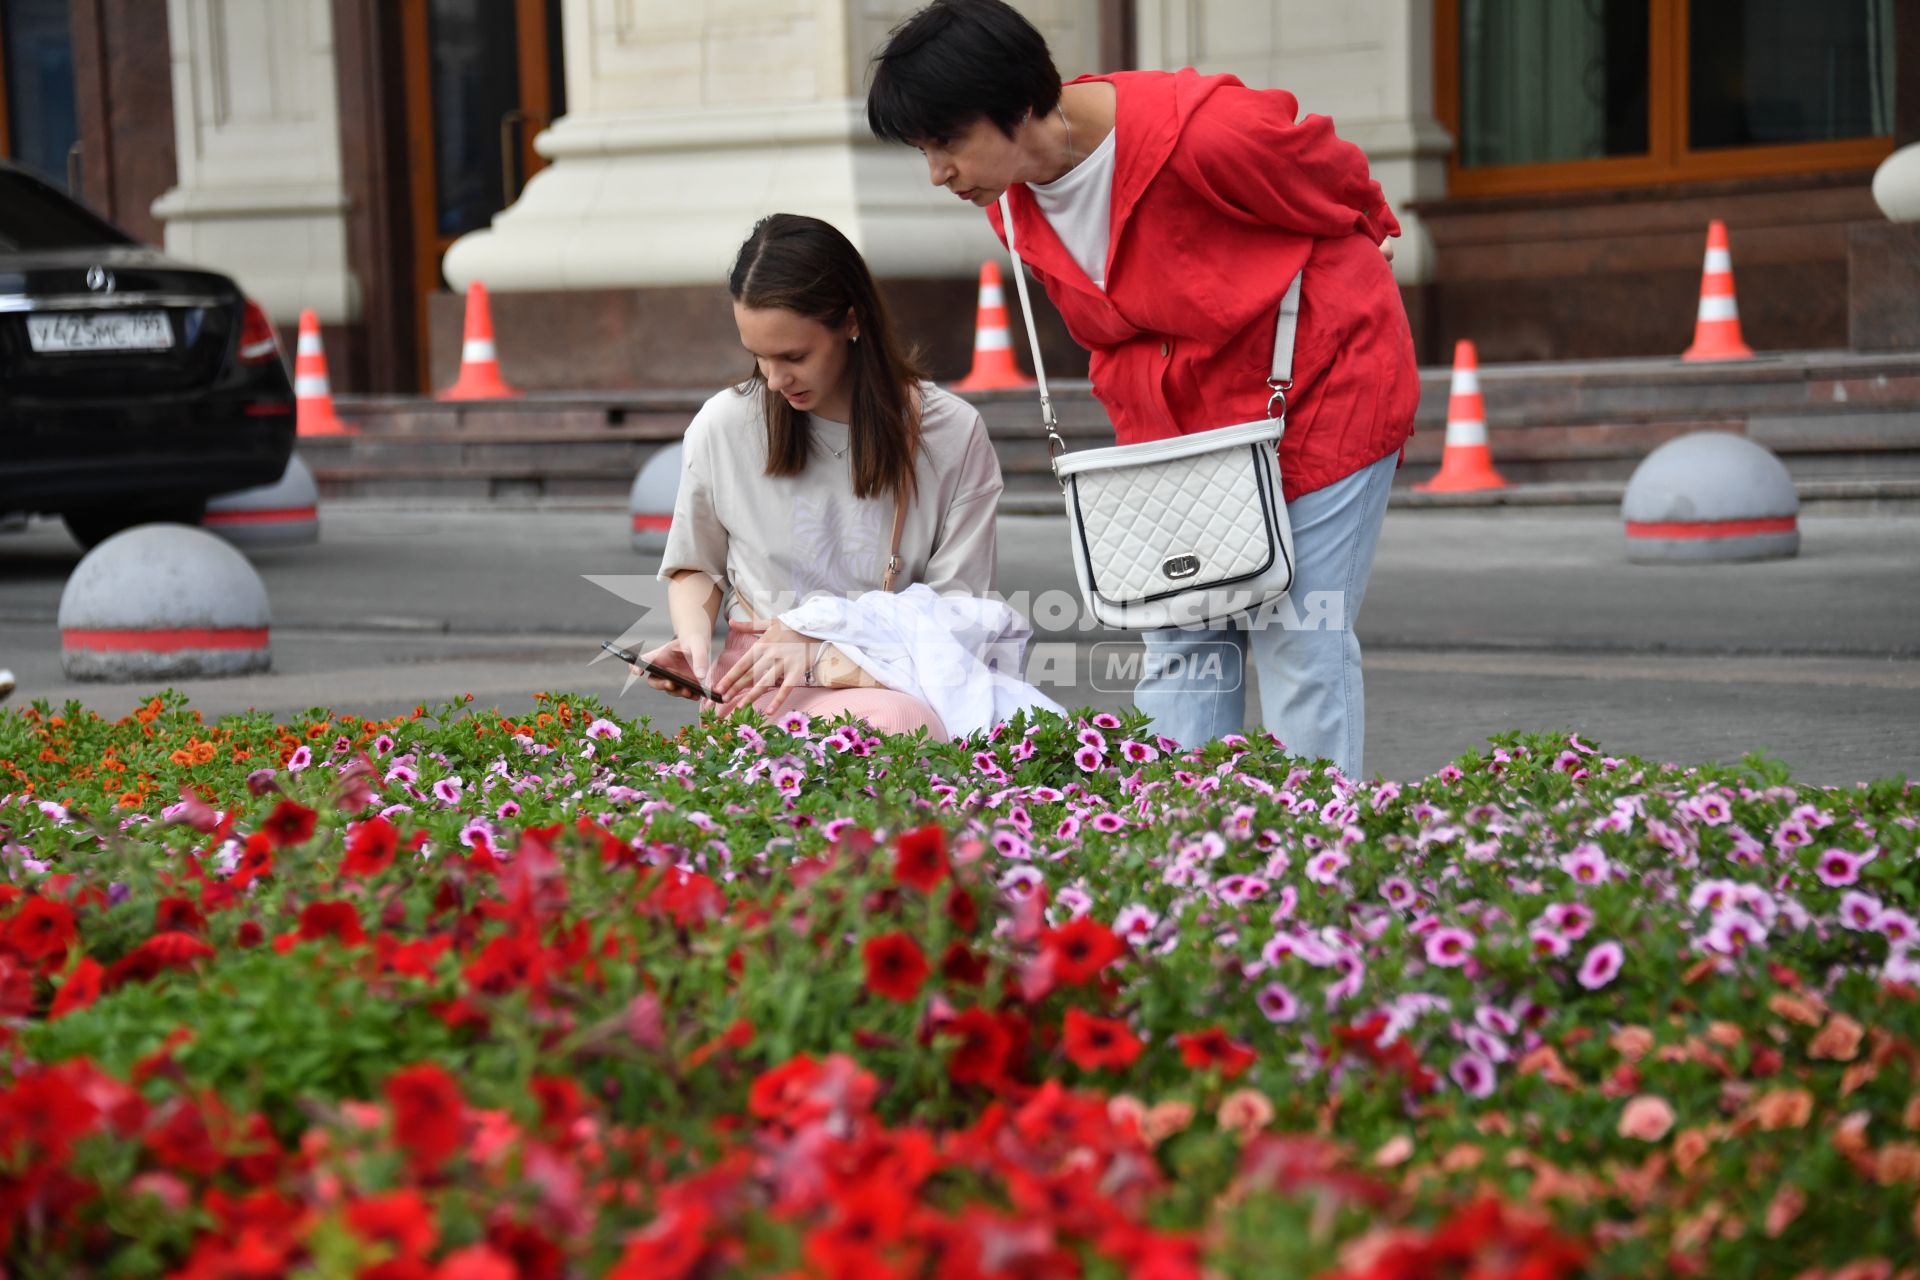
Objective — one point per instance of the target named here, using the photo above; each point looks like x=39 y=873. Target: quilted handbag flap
x=1164 y=527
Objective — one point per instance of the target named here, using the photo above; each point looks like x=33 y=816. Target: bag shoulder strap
x=899 y=526
x=894 y=562
x=1285 y=328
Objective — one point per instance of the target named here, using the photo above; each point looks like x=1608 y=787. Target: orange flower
x=1245 y=1112
x=1898 y=1162
x=1838 y=1040
x=1690 y=1148
x=1632 y=1043
x=1783 y=1109
x=1396 y=1150
x=1795 y=1008
x=1646 y=1118
x=1788 y=1202
x=1164 y=1119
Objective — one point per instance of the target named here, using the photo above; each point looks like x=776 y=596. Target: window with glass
x=1546 y=94
x=38 y=118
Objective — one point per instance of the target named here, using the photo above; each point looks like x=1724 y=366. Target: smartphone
x=653 y=669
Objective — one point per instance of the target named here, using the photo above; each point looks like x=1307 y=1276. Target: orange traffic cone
x=312 y=394
x=993 y=366
x=1716 y=333
x=1466 y=464
x=479 y=361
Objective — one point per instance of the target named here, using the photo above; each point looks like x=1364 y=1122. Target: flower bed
x=456 y=996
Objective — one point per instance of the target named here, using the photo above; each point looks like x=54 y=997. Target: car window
x=34 y=216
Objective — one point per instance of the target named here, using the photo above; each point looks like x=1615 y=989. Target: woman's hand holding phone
x=673 y=657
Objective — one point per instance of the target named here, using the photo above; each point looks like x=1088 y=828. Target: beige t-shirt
x=772 y=541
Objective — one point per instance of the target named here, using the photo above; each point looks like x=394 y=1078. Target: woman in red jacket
x=1165 y=215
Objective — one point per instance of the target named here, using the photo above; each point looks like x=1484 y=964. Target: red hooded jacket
x=1219 y=198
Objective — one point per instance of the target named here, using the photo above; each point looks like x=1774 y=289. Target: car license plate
x=100 y=331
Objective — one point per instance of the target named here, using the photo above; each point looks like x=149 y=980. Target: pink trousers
x=883 y=710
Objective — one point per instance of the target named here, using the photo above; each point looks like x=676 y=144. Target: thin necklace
x=1069 y=128
x=841 y=452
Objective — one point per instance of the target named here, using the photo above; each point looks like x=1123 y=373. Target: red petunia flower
x=429 y=1115
x=1214 y=1048
x=256 y=861
x=530 y=1255
x=962 y=910
x=178 y=915
x=669 y=1249
x=290 y=823
x=16 y=988
x=332 y=920
x=1094 y=1044
x=370 y=848
x=960 y=965
x=161 y=951
x=484 y=1262
x=402 y=1219
x=984 y=1047
x=1080 y=949
x=41 y=929
x=920 y=858
x=80 y=990
x=896 y=967
x=560 y=1104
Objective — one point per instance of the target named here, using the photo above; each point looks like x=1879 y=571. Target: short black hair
x=955 y=62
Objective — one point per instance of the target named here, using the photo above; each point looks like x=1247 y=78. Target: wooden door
x=483 y=78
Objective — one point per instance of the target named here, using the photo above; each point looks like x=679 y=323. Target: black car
x=132 y=387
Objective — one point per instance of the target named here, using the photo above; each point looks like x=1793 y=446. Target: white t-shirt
x=772 y=541
x=1079 y=204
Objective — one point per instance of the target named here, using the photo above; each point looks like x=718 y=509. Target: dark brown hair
x=806 y=266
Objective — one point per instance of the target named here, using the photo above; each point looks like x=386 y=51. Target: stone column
x=258 y=139
x=686 y=122
x=1368 y=64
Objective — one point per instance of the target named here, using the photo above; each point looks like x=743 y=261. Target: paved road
x=1476 y=622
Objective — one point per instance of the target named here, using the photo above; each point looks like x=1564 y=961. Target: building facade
x=596 y=162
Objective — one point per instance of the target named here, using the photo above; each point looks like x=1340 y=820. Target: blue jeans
x=1304 y=650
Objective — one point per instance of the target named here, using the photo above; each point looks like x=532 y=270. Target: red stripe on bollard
x=161 y=640
x=272 y=515
x=1712 y=528
x=651 y=524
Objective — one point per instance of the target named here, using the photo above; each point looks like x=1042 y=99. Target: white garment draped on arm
x=962 y=655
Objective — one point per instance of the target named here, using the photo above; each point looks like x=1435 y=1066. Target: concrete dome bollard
x=1711 y=496
x=159 y=601
x=283 y=514
x=650 y=502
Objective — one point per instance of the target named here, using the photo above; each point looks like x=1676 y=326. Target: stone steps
x=1840 y=421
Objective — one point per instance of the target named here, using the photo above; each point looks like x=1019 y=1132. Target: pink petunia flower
x=1277 y=1003
x=1089 y=759
x=1571 y=919
x=1587 y=864
x=1602 y=965
x=1325 y=868
x=1860 y=911
x=1792 y=834
x=1449 y=947
x=1838 y=868
x=1135 y=924
x=1474 y=1074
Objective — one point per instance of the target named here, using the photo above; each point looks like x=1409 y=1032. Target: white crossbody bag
x=1184 y=532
